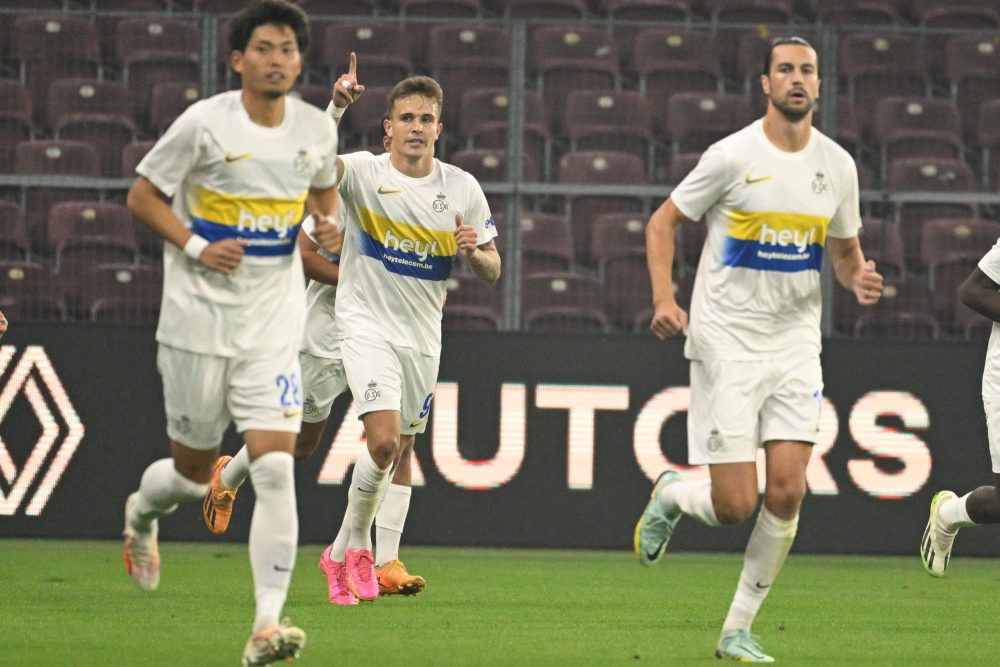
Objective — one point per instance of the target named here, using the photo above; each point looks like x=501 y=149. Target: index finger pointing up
x=352 y=68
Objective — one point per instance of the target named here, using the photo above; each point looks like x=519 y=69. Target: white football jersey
x=990 y=265
x=769 y=212
x=320 y=338
x=232 y=178
x=399 y=247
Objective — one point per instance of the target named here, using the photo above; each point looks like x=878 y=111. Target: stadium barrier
x=533 y=441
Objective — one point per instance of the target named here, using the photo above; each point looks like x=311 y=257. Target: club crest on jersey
x=714 y=441
x=440 y=205
x=372 y=393
x=303 y=163
x=819 y=184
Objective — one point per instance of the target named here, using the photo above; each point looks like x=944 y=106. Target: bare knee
x=308 y=440
x=732 y=508
x=783 y=497
x=383 y=449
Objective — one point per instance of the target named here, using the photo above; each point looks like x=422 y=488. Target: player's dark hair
x=415 y=85
x=261 y=12
x=782 y=41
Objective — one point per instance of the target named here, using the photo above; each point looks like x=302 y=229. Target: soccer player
x=406 y=216
x=239 y=167
x=982 y=505
x=772 y=194
x=323 y=379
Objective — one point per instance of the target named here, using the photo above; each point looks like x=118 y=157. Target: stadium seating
x=972 y=67
x=623 y=15
x=961 y=14
x=856 y=12
x=562 y=302
x=53 y=158
x=91 y=233
x=489 y=165
x=878 y=65
x=97 y=112
x=987 y=139
x=951 y=249
x=882 y=242
x=383 y=51
x=697 y=120
x=462 y=57
x=14 y=243
x=546 y=242
x=450 y=9
x=132 y=155
x=123 y=294
x=545 y=9
x=970 y=325
x=627 y=290
x=361 y=127
x=53 y=47
x=916 y=127
x=471 y=304
x=15 y=120
x=905 y=312
x=29 y=292
x=674 y=61
x=568 y=58
x=483 y=121
x=609 y=120
x=922 y=175
x=170 y=99
x=603 y=167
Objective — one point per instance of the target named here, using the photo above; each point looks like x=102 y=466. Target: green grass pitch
x=71 y=603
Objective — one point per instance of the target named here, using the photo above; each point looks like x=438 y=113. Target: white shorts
x=202 y=393
x=736 y=406
x=385 y=377
x=323 y=380
x=992 y=407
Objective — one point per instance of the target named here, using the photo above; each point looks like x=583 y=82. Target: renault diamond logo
x=61 y=430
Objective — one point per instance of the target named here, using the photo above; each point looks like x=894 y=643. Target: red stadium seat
x=568 y=58
x=916 y=127
x=882 y=242
x=483 y=122
x=15 y=120
x=132 y=155
x=123 y=294
x=546 y=243
x=447 y=9
x=855 y=12
x=170 y=99
x=490 y=164
x=97 y=112
x=91 y=233
x=143 y=70
x=669 y=61
x=545 y=9
x=697 y=120
x=905 y=312
x=14 y=243
x=627 y=289
x=609 y=120
x=617 y=234
x=156 y=34
x=604 y=167
x=30 y=293
x=562 y=302
x=878 y=65
x=383 y=51
x=471 y=304
x=972 y=67
x=463 y=57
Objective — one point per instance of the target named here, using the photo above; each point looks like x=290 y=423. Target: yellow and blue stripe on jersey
x=770 y=241
x=265 y=226
x=405 y=249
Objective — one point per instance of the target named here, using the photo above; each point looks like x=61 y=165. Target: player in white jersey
x=239 y=167
x=772 y=194
x=981 y=292
x=406 y=216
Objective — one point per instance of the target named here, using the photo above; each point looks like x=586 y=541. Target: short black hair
x=782 y=41
x=260 y=12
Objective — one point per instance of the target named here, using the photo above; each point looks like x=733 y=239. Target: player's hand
x=465 y=238
x=222 y=256
x=669 y=319
x=347 y=90
x=3 y=324
x=868 y=284
x=328 y=233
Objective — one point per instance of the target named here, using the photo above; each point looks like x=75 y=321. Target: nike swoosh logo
x=230 y=158
x=651 y=555
x=762 y=587
x=278 y=568
x=751 y=181
x=382 y=191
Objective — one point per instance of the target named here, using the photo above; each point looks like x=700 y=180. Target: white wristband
x=335 y=112
x=195 y=246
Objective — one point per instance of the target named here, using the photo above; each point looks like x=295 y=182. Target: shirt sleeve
x=326 y=175
x=990 y=263
x=704 y=186
x=176 y=153
x=846 y=220
x=478 y=215
x=352 y=164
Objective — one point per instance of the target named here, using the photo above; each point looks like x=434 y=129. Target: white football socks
x=389 y=523
x=954 y=514
x=236 y=470
x=692 y=498
x=368 y=484
x=767 y=548
x=274 y=534
x=161 y=490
